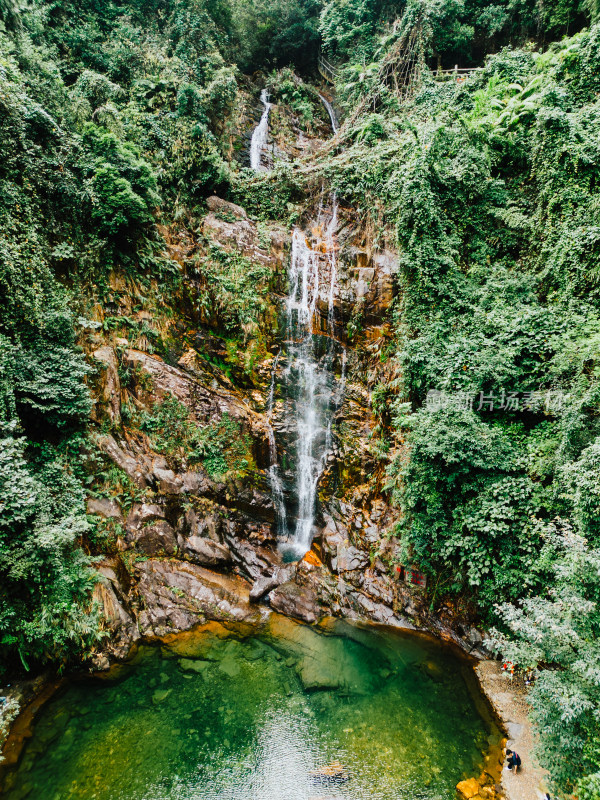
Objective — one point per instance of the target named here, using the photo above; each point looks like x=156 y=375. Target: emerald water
x=215 y=715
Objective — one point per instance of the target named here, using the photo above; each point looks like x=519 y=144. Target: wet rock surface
x=265 y=584
x=300 y=602
x=108 y=399
x=123 y=627
x=204 y=551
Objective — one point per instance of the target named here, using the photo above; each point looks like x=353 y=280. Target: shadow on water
x=343 y=712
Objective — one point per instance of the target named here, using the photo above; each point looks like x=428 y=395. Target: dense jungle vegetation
x=118 y=120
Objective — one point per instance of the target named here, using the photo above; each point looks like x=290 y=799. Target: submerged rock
x=193 y=665
x=331 y=773
x=230 y=667
x=160 y=695
x=469 y=788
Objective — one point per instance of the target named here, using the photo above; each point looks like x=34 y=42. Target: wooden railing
x=327 y=70
x=330 y=73
x=458 y=73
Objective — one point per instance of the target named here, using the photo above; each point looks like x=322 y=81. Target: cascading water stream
x=258 y=142
x=309 y=375
x=331 y=111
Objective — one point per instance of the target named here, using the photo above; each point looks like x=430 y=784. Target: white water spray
x=258 y=142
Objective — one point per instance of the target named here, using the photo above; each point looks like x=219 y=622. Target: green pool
x=219 y=715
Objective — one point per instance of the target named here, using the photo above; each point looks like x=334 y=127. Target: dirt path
x=510 y=702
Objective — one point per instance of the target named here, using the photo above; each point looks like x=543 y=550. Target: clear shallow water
x=217 y=716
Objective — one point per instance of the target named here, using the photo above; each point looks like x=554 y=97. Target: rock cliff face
x=190 y=545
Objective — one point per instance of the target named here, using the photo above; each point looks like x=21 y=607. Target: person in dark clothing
x=513 y=760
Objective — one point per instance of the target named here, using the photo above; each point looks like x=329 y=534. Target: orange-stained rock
x=313 y=559
x=468 y=788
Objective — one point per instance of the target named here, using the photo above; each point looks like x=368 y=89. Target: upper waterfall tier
x=331 y=111
x=260 y=134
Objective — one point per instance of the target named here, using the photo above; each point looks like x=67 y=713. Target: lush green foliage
x=458 y=30
x=275 y=32
x=113 y=117
x=45 y=577
x=233 y=289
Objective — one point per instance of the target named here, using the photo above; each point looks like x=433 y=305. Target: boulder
x=160 y=695
x=331 y=542
x=168 y=482
x=207 y=524
x=123 y=628
x=349 y=558
x=197 y=483
x=265 y=584
x=109 y=385
x=177 y=596
x=473 y=636
x=104 y=507
x=193 y=665
x=155 y=539
x=379 y=587
x=221 y=206
x=205 y=552
x=255 y=560
x=124 y=460
x=377 y=612
x=296 y=601
x=142 y=513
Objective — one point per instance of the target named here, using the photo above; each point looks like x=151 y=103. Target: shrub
x=221 y=447
x=46 y=579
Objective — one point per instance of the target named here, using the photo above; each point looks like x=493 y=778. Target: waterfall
x=308 y=375
x=331 y=112
x=308 y=378
x=259 y=135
